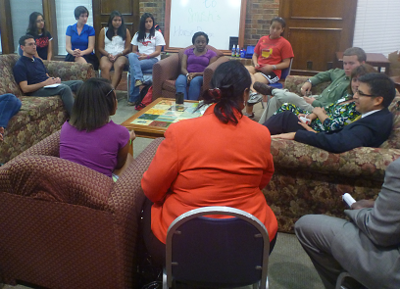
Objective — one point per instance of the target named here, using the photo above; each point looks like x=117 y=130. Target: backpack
x=147 y=99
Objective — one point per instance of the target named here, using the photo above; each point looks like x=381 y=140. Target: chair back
x=228 y=252
x=285 y=73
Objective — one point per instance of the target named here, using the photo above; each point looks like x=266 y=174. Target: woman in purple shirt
x=193 y=63
x=90 y=138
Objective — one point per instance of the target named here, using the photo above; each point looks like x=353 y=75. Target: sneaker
x=138 y=82
x=249 y=115
x=254 y=98
x=131 y=103
x=262 y=88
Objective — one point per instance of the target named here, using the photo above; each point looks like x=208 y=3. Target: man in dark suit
x=374 y=95
x=367 y=246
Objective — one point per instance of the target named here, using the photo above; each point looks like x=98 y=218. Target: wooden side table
x=375 y=59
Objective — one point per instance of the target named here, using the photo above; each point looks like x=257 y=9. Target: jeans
x=9 y=106
x=194 y=86
x=65 y=90
x=136 y=69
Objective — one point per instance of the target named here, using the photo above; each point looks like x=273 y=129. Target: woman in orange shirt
x=219 y=159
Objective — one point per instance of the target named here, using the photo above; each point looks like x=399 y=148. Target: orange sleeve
x=162 y=171
x=287 y=51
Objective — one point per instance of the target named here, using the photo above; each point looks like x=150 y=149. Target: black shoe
x=262 y=88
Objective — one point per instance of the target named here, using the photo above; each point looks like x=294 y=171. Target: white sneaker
x=254 y=98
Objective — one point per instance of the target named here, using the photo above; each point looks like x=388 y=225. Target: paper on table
x=52 y=85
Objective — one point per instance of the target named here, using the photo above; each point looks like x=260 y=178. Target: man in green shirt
x=340 y=78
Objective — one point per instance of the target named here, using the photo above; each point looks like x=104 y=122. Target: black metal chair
x=219 y=253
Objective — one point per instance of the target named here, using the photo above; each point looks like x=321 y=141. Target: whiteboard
x=220 y=19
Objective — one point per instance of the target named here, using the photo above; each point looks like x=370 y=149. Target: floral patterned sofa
x=39 y=117
x=308 y=180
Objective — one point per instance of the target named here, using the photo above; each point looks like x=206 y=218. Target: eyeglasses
x=108 y=93
x=360 y=93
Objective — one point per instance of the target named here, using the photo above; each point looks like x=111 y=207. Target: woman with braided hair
x=220 y=159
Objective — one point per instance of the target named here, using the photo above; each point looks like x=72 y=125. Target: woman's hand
x=190 y=77
x=77 y=53
x=132 y=135
x=306 y=126
x=142 y=56
x=319 y=111
x=111 y=57
x=266 y=69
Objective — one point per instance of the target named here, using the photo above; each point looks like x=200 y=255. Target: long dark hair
x=142 y=27
x=228 y=84
x=359 y=71
x=121 y=30
x=32 y=27
x=94 y=103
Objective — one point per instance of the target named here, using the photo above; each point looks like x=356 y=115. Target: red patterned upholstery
x=64 y=225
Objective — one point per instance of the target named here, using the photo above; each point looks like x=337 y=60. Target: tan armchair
x=166 y=71
x=64 y=225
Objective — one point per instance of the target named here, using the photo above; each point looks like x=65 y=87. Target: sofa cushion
x=169 y=85
x=7 y=81
x=394 y=138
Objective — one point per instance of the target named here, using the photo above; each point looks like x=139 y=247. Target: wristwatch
x=309 y=80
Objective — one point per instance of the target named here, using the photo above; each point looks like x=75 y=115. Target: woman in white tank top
x=113 y=47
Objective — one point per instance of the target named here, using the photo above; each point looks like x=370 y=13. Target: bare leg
x=80 y=60
x=255 y=77
x=105 y=67
x=118 y=69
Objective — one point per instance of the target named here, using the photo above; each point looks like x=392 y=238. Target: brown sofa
x=166 y=71
x=308 y=180
x=64 y=225
x=39 y=116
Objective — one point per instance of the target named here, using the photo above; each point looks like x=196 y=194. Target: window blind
x=377 y=27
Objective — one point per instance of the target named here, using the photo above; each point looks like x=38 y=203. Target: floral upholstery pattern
x=308 y=180
x=39 y=116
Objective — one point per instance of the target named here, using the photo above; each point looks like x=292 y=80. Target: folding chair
x=285 y=73
x=219 y=253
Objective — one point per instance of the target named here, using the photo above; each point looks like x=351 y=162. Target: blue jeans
x=136 y=69
x=9 y=106
x=194 y=86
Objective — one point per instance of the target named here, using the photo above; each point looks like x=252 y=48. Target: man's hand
x=309 y=100
x=362 y=204
x=50 y=80
x=306 y=88
x=289 y=135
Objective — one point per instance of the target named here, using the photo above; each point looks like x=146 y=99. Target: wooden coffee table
x=154 y=119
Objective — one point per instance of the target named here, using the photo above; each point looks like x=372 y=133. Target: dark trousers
x=283 y=122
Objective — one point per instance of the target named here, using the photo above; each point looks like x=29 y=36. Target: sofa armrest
x=50 y=146
x=70 y=70
x=163 y=70
x=209 y=71
x=360 y=162
x=294 y=83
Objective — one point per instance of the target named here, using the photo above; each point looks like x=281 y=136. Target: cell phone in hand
x=348 y=199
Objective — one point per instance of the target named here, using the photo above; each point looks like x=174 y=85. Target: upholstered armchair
x=166 y=71
x=64 y=225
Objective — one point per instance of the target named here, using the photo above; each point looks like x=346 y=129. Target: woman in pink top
x=89 y=137
x=193 y=63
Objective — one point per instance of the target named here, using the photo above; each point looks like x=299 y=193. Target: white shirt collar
x=369 y=113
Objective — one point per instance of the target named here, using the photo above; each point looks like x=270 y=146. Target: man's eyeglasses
x=360 y=93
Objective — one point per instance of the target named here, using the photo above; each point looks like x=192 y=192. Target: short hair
x=280 y=20
x=200 y=33
x=361 y=56
x=359 y=71
x=79 y=11
x=23 y=38
x=380 y=85
x=228 y=84
x=95 y=102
